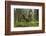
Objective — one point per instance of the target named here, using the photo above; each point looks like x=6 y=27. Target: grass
x=26 y=24
x=32 y=23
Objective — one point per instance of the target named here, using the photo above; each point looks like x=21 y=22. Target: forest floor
x=26 y=24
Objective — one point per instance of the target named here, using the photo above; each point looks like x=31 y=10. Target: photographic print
x=24 y=18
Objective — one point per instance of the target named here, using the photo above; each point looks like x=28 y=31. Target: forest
x=26 y=17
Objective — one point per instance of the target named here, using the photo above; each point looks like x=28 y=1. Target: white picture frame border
x=25 y=28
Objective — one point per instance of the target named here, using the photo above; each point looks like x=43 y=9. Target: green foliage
x=26 y=24
x=25 y=18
